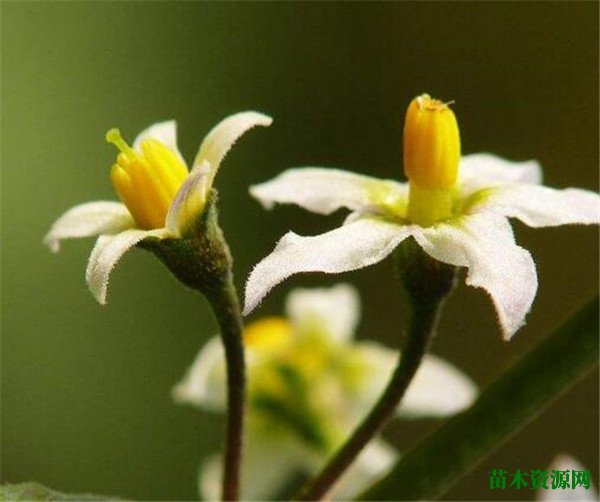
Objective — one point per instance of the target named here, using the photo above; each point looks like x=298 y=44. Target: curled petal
x=221 y=138
x=86 y=220
x=539 y=206
x=438 y=389
x=324 y=191
x=483 y=170
x=204 y=383
x=484 y=243
x=107 y=252
x=356 y=245
x=333 y=311
x=189 y=201
x=165 y=132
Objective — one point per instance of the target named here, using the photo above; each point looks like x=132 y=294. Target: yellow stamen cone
x=431 y=158
x=146 y=181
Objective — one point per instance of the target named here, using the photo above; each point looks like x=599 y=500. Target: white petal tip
x=52 y=243
x=99 y=292
x=256 y=191
x=509 y=332
x=259 y=118
x=249 y=308
x=179 y=395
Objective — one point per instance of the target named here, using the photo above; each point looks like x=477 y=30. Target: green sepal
x=425 y=280
x=201 y=259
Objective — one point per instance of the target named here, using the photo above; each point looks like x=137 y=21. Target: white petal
x=165 y=132
x=107 y=252
x=373 y=462
x=481 y=170
x=438 y=389
x=539 y=206
x=210 y=478
x=269 y=465
x=189 y=200
x=484 y=243
x=221 y=138
x=378 y=362
x=204 y=384
x=567 y=463
x=333 y=311
x=359 y=244
x=85 y=220
x=324 y=191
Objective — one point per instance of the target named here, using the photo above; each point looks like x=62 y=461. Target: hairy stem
x=202 y=261
x=226 y=307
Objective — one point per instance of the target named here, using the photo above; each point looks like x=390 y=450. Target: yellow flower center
x=146 y=181
x=431 y=158
x=268 y=333
x=290 y=375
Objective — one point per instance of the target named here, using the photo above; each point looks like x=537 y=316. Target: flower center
x=431 y=158
x=146 y=180
x=287 y=377
x=268 y=334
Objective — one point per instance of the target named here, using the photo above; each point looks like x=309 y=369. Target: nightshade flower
x=309 y=384
x=459 y=219
x=160 y=198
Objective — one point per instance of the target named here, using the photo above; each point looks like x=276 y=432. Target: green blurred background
x=85 y=388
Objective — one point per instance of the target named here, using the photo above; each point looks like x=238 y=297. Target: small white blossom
x=309 y=385
x=476 y=236
x=161 y=198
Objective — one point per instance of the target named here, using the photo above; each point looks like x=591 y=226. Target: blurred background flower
x=85 y=403
x=309 y=386
x=581 y=493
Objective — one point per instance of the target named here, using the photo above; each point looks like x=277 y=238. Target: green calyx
x=425 y=280
x=201 y=260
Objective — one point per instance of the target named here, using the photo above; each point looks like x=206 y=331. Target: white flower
x=461 y=219
x=567 y=464
x=309 y=385
x=160 y=197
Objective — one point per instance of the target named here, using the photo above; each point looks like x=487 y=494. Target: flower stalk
x=203 y=262
x=513 y=400
x=427 y=283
